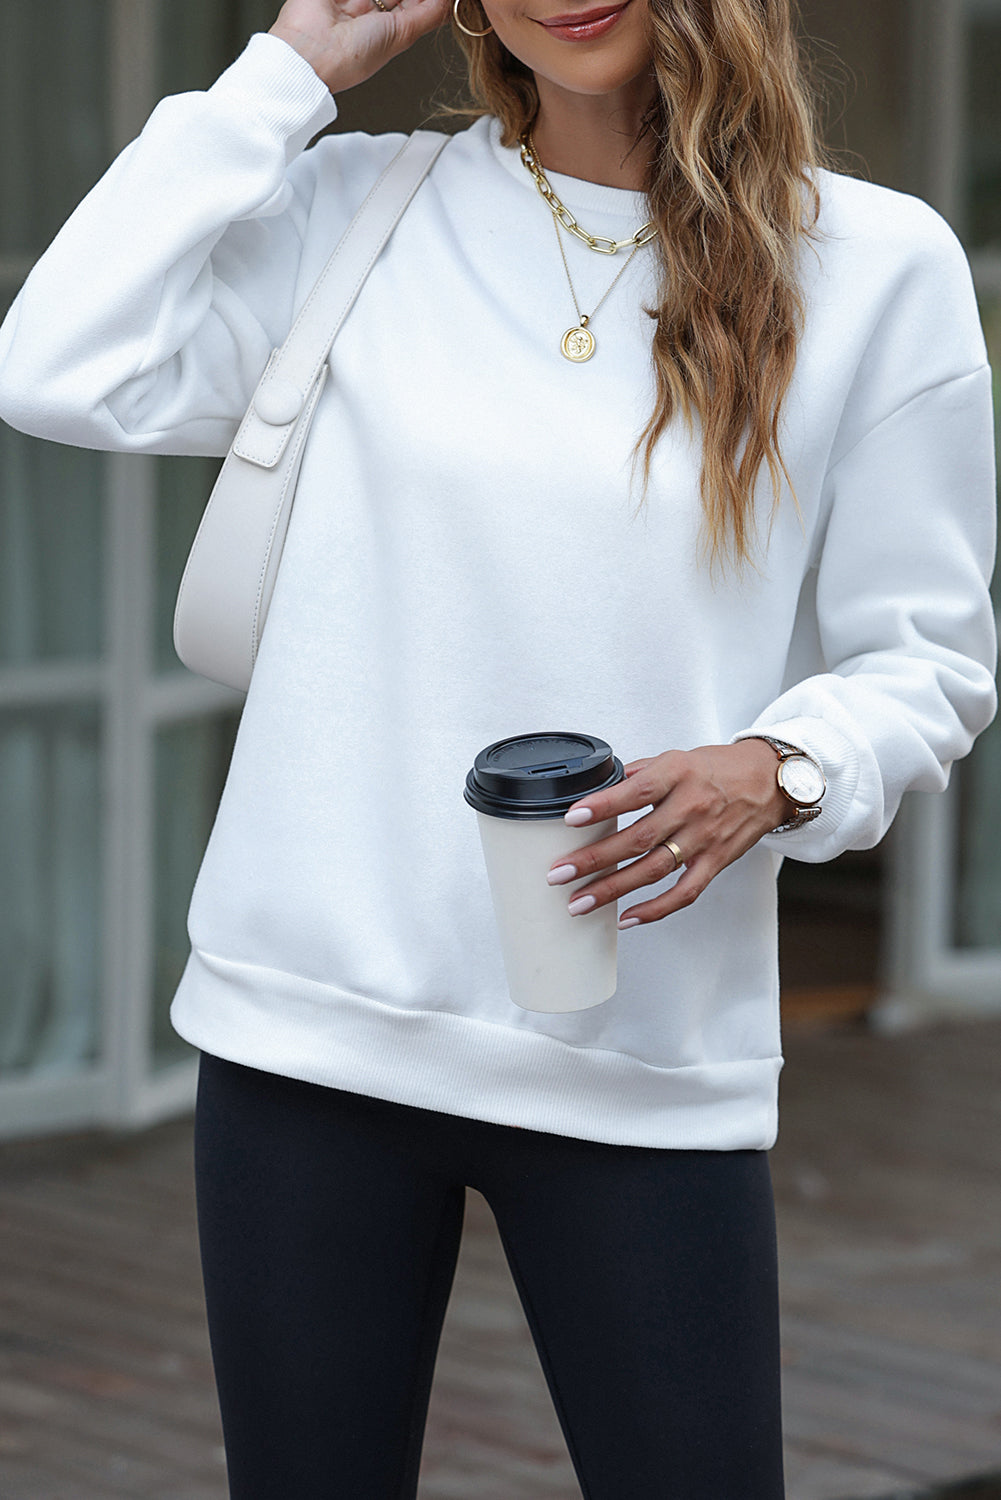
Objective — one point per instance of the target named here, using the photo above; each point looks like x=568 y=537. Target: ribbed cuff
x=839 y=762
x=282 y=90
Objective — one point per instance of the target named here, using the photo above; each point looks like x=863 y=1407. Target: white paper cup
x=553 y=961
x=521 y=788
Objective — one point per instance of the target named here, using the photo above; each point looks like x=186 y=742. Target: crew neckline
x=575 y=192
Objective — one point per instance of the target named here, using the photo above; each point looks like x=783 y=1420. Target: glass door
x=112 y=756
x=57 y=132
x=946 y=923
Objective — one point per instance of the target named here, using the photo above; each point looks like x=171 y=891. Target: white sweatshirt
x=463 y=565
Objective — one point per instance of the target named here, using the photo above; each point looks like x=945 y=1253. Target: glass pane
x=192 y=759
x=50 y=889
x=54 y=115
x=990 y=317
x=978 y=886
x=51 y=550
x=183 y=486
x=983 y=123
x=197 y=41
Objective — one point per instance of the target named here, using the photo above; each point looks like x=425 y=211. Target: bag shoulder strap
x=293 y=369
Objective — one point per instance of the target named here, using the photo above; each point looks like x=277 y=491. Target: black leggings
x=329 y=1225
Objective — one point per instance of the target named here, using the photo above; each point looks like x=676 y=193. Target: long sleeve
x=147 y=322
x=904 y=620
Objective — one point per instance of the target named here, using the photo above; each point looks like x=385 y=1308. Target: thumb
x=415 y=18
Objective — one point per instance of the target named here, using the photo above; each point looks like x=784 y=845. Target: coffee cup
x=520 y=788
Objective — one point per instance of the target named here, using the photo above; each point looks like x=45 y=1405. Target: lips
x=585 y=17
x=582 y=25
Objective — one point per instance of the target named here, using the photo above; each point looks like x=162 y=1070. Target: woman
x=722 y=495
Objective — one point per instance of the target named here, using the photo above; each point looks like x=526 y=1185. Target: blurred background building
x=112 y=757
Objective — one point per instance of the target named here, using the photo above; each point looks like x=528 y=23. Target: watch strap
x=800 y=816
x=782 y=747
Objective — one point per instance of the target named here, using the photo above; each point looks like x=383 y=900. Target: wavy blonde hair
x=733 y=192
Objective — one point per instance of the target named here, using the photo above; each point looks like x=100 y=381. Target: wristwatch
x=801 y=780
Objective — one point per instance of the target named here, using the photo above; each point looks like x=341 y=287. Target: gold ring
x=379 y=6
x=679 y=858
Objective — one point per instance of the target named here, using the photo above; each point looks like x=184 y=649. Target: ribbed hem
x=281 y=88
x=459 y=1065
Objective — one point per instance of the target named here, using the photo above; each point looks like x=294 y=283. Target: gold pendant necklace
x=578 y=344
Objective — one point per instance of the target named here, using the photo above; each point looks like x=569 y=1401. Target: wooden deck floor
x=888 y=1184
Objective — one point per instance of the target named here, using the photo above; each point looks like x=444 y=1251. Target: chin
x=602 y=66
x=589 y=78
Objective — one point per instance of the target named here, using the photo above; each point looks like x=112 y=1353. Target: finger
x=637 y=765
x=700 y=865
x=686 y=890
x=395 y=25
x=650 y=782
x=641 y=836
x=417 y=17
x=612 y=886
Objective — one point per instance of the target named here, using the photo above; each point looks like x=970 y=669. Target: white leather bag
x=226 y=588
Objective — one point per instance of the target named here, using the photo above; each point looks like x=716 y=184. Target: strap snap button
x=278 y=402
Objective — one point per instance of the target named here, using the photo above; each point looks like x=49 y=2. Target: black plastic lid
x=540 y=775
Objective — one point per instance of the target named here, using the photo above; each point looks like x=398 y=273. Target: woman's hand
x=346 y=41
x=714 y=803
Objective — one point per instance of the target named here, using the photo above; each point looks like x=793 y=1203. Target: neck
x=595 y=137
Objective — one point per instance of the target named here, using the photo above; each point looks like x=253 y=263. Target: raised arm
x=147 y=322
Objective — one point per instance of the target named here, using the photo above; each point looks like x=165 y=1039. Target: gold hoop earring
x=455 y=13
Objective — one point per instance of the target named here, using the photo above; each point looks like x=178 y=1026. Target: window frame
x=121 y=1087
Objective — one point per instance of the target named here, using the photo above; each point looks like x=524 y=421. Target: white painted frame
x=927 y=978
x=120 y=1089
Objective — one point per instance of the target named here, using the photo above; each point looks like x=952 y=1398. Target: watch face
x=801 y=780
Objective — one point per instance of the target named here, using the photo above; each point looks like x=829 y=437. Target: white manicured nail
x=561 y=874
x=581 y=905
x=628 y=922
x=578 y=815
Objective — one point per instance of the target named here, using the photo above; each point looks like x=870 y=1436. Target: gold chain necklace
x=578 y=344
x=564 y=217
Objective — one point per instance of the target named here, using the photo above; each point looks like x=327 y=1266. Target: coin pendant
x=578 y=344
